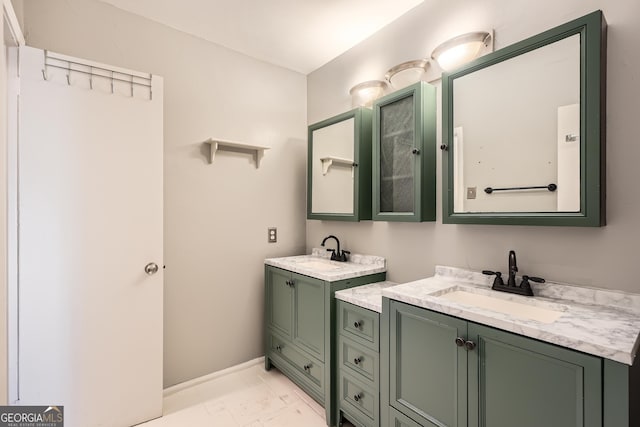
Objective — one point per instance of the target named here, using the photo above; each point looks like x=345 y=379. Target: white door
x=90 y=219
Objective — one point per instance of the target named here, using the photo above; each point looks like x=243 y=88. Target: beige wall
x=602 y=257
x=216 y=215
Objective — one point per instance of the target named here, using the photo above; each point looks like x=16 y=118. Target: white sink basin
x=319 y=265
x=540 y=311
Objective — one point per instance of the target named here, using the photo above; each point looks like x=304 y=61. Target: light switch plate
x=471 y=192
x=272 y=234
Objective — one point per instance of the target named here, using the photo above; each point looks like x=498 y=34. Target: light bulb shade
x=363 y=94
x=407 y=73
x=460 y=50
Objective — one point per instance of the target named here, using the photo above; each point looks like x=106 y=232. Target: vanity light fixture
x=363 y=94
x=461 y=49
x=407 y=73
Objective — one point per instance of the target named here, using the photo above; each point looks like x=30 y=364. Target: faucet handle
x=342 y=256
x=525 y=280
x=498 y=280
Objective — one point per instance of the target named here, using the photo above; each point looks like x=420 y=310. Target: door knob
x=151 y=268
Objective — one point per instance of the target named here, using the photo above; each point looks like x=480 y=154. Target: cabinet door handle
x=358 y=324
x=290 y=283
x=279 y=347
x=470 y=345
x=358 y=396
x=415 y=151
x=307 y=367
x=357 y=360
x=459 y=341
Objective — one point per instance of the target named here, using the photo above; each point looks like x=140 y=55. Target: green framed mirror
x=524 y=131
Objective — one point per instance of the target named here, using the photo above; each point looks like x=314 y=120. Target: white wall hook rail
x=71 y=66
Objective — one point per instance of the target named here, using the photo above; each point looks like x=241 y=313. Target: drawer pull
x=357 y=397
x=357 y=360
x=358 y=324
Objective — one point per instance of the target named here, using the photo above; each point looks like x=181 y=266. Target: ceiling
x=301 y=35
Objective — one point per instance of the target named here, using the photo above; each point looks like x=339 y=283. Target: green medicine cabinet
x=339 y=167
x=404 y=163
x=524 y=131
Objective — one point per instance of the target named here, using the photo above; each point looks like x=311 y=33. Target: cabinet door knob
x=151 y=268
x=307 y=367
x=357 y=360
x=459 y=342
x=357 y=397
x=278 y=347
x=358 y=324
x=444 y=147
x=415 y=151
x=470 y=345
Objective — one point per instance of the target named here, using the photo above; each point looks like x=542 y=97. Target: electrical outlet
x=272 y=234
x=471 y=192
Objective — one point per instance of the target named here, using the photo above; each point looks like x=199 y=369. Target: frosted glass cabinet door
x=397 y=162
x=404 y=126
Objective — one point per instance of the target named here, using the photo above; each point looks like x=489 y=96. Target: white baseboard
x=182 y=386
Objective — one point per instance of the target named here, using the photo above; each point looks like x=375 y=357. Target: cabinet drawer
x=398 y=419
x=359 y=360
x=358 y=398
x=308 y=366
x=359 y=324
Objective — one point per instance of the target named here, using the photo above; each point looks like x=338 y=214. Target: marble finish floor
x=250 y=397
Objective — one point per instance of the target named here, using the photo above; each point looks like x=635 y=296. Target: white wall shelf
x=220 y=144
x=327 y=162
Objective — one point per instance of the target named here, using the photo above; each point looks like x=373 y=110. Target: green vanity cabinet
x=358 y=331
x=299 y=317
x=445 y=371
x=404 y=155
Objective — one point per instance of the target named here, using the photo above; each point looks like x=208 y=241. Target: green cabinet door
x=308 y=320
x=404 y=165
x=517 y=381
x=428 y=371
x=279 y=304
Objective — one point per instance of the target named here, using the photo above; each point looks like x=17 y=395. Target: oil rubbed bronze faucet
x=523 y=289
x=339 y=255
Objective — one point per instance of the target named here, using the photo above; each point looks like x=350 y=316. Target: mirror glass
x=516 y=133
x=332 y=160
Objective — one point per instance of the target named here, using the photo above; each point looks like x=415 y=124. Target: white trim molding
x=12 y=23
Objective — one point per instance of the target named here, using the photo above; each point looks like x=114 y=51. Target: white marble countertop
x=595 y=321
x=365 y=296
x=319 y=265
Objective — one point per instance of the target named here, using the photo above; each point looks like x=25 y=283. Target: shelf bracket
x=329 y=161
x=222 y=145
